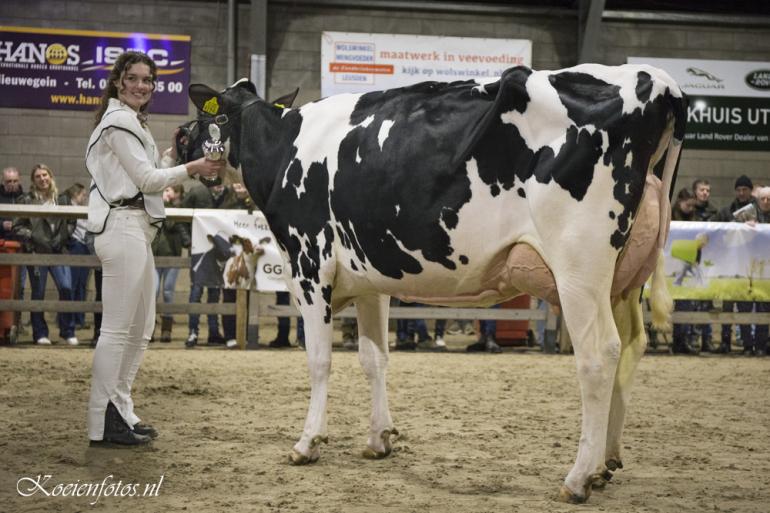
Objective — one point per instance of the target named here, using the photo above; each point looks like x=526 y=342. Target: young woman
x=47 y=235
x=125 y=210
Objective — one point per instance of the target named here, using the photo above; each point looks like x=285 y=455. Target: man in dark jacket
x=704 y=210
x=224 y=197
x=10 y=193
x=743 y=198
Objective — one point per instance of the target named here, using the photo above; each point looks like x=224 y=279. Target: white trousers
x=128 y=302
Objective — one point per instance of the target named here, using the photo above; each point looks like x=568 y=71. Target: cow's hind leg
x=373 y=355
x=318 y=347
x=588 y=314
x=633 y=340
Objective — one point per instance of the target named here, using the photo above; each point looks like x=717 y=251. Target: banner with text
x=718 y=261
x=357 y=62
x=234 y=249
x=50 y=68
x=729 y=101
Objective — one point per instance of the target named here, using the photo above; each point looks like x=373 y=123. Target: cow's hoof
x=297 y=458
x=566 y=495
x=373 y=454
x=600 y=482
x=613 y=464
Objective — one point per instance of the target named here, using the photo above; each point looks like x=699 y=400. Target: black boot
x=117 y=432
x=479 y=346
x=492 y=346
x=145 y=430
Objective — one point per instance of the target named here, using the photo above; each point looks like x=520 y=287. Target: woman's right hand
x=205 y=167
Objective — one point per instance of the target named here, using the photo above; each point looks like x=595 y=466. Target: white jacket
x=123 y=160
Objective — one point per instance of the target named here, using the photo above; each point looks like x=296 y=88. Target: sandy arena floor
x=479 y=433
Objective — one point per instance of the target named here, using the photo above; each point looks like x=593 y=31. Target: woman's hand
x=205 y=167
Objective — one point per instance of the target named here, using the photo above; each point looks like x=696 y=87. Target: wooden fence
x=250 y=305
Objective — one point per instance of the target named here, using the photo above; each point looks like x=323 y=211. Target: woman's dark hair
x=125 y=61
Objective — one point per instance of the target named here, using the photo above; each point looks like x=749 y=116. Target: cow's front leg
x=373 y=356
x=597 y=347
x=318 y=346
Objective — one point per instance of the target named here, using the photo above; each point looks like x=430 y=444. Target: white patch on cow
x=358 y=155
x=366 y=122
x=398 y=209
x=629 y=159
x=545 y=121
x=384 y=131
x=325 y=124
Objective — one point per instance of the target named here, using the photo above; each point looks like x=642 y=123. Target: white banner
x=357 y=62
x=718 y=261
x=235 y=249
x=702 y=77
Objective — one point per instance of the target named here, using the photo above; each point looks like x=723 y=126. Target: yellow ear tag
x=211 y=106
x=280 y=105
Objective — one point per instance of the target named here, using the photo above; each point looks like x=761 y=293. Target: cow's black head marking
x=224 y=109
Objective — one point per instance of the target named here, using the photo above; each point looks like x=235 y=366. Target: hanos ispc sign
x=729 y=101
x=49 y=68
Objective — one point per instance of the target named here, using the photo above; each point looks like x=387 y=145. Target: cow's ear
x=206 y=99
x=245 y=83
x=286 y=100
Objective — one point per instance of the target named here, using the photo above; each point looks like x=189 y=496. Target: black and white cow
x=469 y=193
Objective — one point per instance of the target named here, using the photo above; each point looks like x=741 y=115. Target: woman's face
x=80 y=198
x=42 y=179
x=687 y=205
x=135 y=86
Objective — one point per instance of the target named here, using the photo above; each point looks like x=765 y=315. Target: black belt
x=135 y=202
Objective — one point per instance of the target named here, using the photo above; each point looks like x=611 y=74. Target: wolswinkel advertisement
x=50 y=68
x=359 y=62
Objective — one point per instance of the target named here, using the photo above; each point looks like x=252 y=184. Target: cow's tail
x=661 y=303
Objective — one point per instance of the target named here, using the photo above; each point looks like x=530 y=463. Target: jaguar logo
x=703 y=73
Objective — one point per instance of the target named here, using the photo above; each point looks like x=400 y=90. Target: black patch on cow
x=643 y=86
x=463 y=259
x=521 y=192
x=326 y=293
x=400 y=195
x=612 y=214
x=353 y=265
x=494 y=189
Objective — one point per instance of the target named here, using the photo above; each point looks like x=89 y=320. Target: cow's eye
x=221 y=119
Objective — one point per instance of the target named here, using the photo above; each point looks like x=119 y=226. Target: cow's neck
x=266 y=148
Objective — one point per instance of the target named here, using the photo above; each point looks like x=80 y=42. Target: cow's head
x=224 y=109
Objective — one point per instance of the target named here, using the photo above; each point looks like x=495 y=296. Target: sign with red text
x=48 y=68
x=357 y=62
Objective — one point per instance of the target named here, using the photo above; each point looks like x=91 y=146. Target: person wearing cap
x=743 y=198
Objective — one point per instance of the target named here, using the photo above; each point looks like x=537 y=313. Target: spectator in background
x=487 y=335
x=743 y=198
x=761 y=332
x=704 y=211
x=11 y=192
x=683 y=210
x=215 y=195
x=78 y=245
x=47 y=236
x=171 y=239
